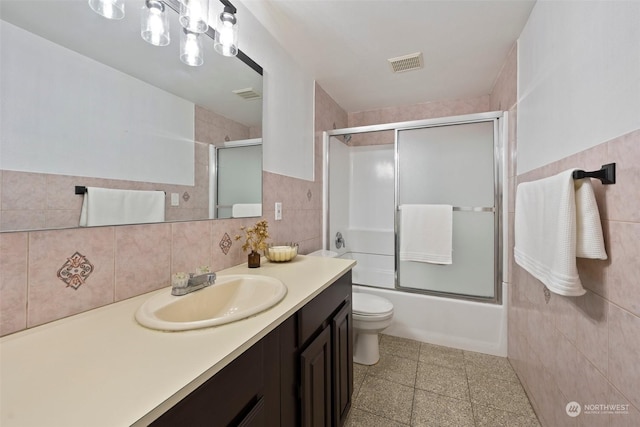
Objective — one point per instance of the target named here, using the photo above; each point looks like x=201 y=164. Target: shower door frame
x=499 y=119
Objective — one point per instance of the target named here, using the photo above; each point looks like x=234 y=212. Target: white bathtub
x=467 y=325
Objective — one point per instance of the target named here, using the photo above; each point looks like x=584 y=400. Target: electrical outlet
x=278 y=211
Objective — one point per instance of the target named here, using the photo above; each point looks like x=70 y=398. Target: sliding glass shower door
x=452 y=165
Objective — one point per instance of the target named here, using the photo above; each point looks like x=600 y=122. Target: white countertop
x=101 y=368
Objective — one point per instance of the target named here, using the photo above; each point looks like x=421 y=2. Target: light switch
x=175 y=199
x=278 y=211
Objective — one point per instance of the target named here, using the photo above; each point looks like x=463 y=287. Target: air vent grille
x=248 y=93
x=404 y=63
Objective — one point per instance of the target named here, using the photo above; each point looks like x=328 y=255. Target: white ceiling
x=345 y=44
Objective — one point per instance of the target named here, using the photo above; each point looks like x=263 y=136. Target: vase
x=253 y=259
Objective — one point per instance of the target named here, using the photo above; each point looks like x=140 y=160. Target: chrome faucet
x=195 y=283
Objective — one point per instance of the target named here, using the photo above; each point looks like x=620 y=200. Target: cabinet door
x=315 y=363
x=342 y=330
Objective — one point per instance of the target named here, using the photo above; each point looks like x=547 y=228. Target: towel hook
x=606 y=174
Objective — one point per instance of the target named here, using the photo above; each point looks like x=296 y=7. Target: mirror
x=87 y=102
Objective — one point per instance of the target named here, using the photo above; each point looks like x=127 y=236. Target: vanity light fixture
x=191 y=51
x=226 y=36
x=194 y=15
x=110 y=9
x=154 y=23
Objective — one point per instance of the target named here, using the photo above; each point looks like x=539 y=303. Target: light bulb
x=154 y=23
x=191 y=52
x=226 y=38
x=194 y=15
x=110 y=9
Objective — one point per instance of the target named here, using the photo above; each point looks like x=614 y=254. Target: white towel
x=426 y=233
x=106 y=206
x=243 y=210
x=546 y=227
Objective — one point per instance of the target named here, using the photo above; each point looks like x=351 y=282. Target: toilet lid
x=368 y=304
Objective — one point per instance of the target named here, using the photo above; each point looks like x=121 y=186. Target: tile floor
x=419 y=384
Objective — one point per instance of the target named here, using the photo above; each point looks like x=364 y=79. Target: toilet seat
x=367 y=305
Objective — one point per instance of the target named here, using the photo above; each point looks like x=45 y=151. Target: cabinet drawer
x=313 y=315
x=224 y=397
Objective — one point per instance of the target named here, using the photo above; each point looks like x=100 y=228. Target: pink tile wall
x=584 y=349
x=427 y=110
x=130 y=260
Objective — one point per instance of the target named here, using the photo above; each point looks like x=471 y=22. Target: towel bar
x=81 y=189
x=606 y=174
x=471 y=209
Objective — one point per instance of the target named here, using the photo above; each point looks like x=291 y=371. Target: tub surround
x=103 y=366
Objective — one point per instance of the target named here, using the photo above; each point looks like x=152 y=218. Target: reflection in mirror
x=238 y=174
x=87 y=102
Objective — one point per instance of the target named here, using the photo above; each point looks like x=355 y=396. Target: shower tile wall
x=134 y=259
x=583 y=349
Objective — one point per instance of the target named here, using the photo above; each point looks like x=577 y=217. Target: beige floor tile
x=360 y=418
x=441 y=380
x=386 y=399
x=500 y=394
x=443 y=356
x=397 y=346
x=482 y=365
x=359 y=372
x=490 y=417
x=396 y=369
x=430 y=409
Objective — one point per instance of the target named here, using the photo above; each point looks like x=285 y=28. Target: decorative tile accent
x=75 y=271
x=225 y=243
x=186 y=196
x=309 y=195
x=547 y=295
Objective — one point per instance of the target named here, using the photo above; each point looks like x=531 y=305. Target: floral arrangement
x=255 y=237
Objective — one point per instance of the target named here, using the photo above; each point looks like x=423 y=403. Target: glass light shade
x=191 y=49
x=110 y=9
x=194 y=15
x=154 y=23
x=226 y=38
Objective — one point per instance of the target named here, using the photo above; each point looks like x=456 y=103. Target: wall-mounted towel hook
x=606 y=175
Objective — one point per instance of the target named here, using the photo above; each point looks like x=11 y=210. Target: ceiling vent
x=248 y=93
x=413 y=61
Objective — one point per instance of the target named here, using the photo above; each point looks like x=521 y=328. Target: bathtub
x=467 y=325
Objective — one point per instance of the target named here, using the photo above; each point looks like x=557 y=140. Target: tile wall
x=48 y=275
x=426 y=110
x=584 y=349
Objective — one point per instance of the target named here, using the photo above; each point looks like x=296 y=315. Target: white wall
x=66 y=114
x=288 y=117
x=578 y=78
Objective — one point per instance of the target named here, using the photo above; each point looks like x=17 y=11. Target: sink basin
x=231 y=298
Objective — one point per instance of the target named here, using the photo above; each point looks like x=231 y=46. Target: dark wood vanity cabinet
x=300 y=374
x=326 y=356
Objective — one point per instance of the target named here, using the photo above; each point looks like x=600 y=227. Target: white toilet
x=371 y=315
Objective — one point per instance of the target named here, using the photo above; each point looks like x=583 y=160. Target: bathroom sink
x=231 y=298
